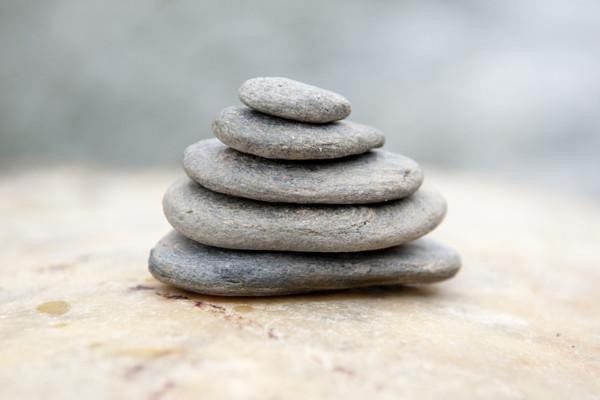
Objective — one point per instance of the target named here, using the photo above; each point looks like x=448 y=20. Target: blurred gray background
x=506 y=88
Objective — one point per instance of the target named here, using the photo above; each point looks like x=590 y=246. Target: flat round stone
x=220 y=220
x=189 y=265
x=372 y=177
x=252 y=132
x=290 y=99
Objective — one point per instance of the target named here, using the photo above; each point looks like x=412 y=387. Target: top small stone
x=289 y=99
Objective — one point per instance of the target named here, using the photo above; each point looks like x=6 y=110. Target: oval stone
x=270 y=137
x=231 y=222
x=290 y=99
x=372 y=177
x=189 y=265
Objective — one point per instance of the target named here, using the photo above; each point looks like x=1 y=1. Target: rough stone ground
x=80 y=315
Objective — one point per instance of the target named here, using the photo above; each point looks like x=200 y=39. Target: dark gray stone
x=224 y=221
x=367 y=178
x=252 y=132
x=286 y=98
x=183 y=263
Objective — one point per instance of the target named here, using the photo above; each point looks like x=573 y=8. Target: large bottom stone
x=225 y=221
x=181 y=262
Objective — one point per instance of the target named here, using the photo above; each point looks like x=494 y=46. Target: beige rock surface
x=80 y=316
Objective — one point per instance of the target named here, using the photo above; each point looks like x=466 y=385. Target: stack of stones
x=292 y=199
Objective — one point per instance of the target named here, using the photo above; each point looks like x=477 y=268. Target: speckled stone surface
x=81 y=317
x=271 y=137
x=290 y=99
x=375 y=176
x=181 y=262
x=224 y=221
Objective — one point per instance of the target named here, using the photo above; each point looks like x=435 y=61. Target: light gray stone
x=181 y=262
x=290 y=99
x=224 y=221
x=252 y=132
x=375 y=176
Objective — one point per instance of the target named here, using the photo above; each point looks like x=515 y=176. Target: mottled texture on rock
x=230 y=222
x=181 y=262
x=290 y=99
x=520 y=320
x=367 y=178
x=252 y=132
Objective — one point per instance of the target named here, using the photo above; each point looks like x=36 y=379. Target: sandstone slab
x=520 y=320
x=290 y=99
x=224 y=221
x=251 y=132
x=372 y=177
x=183 y=263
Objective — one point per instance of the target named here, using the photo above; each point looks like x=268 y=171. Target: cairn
x=292 y=198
